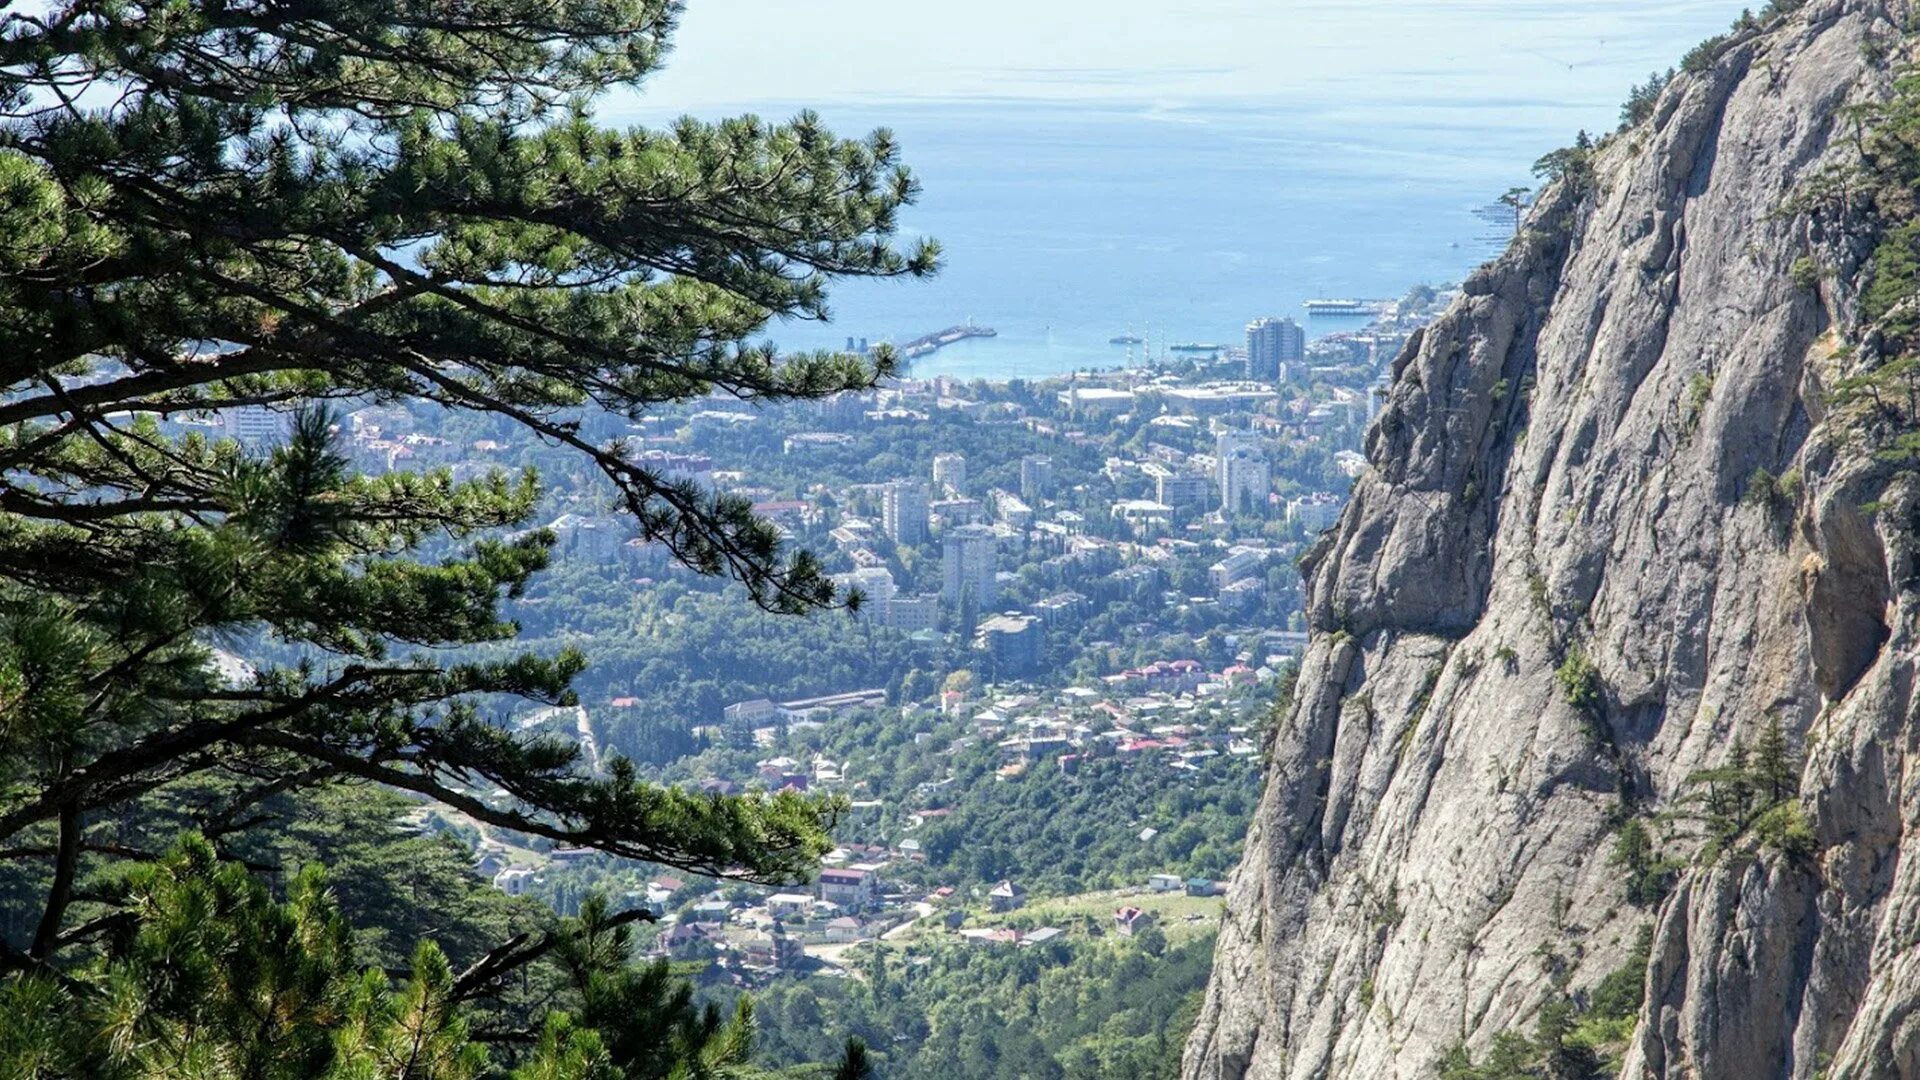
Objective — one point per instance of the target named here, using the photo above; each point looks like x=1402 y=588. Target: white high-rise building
x=255 y=425
x=876 y=588
x=903 y=511
x=1241 y=471
x=950 y=472
x=1272 y=344
x=967 y=563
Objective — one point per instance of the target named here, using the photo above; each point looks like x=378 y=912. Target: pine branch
x=523 y=949
x=60 y=893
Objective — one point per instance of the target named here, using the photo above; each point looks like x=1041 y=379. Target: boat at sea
x=1126 y=339
x=1344 y=307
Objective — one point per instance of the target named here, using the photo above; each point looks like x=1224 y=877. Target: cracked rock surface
x=1563 y=462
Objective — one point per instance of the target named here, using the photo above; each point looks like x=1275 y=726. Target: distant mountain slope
x=1613 y=541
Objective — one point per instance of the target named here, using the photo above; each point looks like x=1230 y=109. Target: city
x=1084 y=584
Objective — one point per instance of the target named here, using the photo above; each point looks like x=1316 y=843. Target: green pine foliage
x=1570 y=165
x=207 y=974
x=1555 y=1051
x=295 y=211
x=1569 y=1041
x=1642 y=98
x=1614 y=1004
x=1755 y=794
x=1880 y=397
x=1649 y=876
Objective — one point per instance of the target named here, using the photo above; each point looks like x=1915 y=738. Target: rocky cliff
x=1613 y=531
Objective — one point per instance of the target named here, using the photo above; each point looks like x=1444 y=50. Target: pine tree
x=286 y=211
x=1740 y=782
x=1776 y=775
x=209 y=975
x=854 y=1063
x=1648 y=875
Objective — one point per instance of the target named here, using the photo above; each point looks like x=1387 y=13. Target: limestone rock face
x=1562 y=465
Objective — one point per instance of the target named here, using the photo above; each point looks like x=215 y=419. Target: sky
x=770 y=54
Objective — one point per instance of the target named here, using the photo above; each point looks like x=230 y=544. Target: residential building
x=1012 y=643
x=914 y=613
x=844 y=929
x=804 y=441
x=1012 y=509
x=1143 y=516
x=713 y=423
x=786 y=905
x=688 y=941
x=845 y=409
x=1180 y=490
x=772 y=950
x=1314 y=513
x=1060 y=609
x=875 y=586
x=1241 y=471
x=1007 y=896
x=853 y=889
x=1131 y=920
x=1272 y=344
x=903 y=511
x=588 y=537
x=950 y=473
x=254 y=425
x=1091 y=401
x=1164 y=883
x=1036 y=477
x=655 y=899
x=951 y=512
x=1242 y=594
x=747 y=714
x=1240 y=563
x=514 y=880
x=967 y=564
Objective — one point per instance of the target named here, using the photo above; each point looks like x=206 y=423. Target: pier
x=927 y=344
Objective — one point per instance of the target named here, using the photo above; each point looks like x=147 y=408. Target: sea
x=1072 y=211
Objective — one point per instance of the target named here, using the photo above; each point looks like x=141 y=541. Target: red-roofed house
x=1131 y=920
x=849 y=888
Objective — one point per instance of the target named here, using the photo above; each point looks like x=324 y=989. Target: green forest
x=1084 y=1009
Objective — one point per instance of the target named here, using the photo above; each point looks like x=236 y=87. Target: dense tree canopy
x=221 y=205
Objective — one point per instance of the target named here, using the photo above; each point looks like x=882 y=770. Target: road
x=583 y=731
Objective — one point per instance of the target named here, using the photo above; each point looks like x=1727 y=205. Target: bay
x=1167 y=181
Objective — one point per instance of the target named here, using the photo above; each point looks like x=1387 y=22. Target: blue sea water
x=1075 y=204
x=1065 y=226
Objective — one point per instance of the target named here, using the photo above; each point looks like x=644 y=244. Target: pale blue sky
x=775 y=54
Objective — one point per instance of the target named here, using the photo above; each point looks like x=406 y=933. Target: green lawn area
x=1174 y=911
